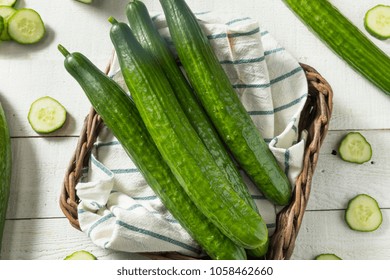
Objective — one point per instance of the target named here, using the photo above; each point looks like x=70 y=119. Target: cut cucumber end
x=46 y=115
x=327 y=256
x=363 y=213
x=85 y=1
x=355 y=148
x=25 y=26
x=6 y=12
x=80 y=255
x=377 y=22
x=9 y=3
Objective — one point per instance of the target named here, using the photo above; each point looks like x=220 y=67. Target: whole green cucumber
x=180 y=146
x=345 y=39
x=121 y=116
x=222 y=104
x=5 y=169
x=148 y=36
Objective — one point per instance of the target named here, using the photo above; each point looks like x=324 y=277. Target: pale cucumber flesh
x=363 y=213
x=377 y=22
x=46 y=115
x=25 y=26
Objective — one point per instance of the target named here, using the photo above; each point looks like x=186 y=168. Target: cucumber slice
x=46 y=115
x=327 y=257
x=80 y=255
x=6 y=12
x=363 y=213
x=25 y=26
x=9 y=3
x=377 y=22
x=355 y=148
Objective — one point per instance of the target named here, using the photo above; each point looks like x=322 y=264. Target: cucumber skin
x=181 y=147
x=147 y=35
x=222 y=104
x=5 y=169
x=126 y=124
x=345 y=39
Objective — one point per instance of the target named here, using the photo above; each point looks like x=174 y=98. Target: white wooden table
x=37 y=229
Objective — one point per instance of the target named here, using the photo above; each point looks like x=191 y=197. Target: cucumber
x=327 y=256
x=5 y=169
x=6 y=12
x=120 y=115
x=80 y=255
x=25 y=26
x=363 y=213
x=1 y=24
x=377 y=22
x=355 y=148
x=345 y=39
x=147 y=35
x=7 y=3
x=180 y=146
x=46 y=115
x=222 y=104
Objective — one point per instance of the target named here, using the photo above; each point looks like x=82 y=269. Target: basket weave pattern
x=314 y=118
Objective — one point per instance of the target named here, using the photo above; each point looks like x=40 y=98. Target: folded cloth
x=119 y=211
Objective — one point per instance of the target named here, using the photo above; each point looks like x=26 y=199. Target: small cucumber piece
x=355 y=148
x=323 y=257
x=377 y=22
x=46 y=115
x=80 y=255
x=25 y=26
x=9 y=3
x=6 y=12
x=85 y=1
x=363 y=213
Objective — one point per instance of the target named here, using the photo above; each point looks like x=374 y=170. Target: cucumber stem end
x=112 y=20
x=63 y=50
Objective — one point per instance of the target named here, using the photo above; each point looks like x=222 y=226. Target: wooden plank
x=39 y=166
x=50 y=239
x=321 y=232
x=336 y=181
x=326 y=232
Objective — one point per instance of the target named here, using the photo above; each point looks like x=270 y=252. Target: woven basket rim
x=314 y=119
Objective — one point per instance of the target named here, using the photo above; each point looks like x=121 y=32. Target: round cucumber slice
x=7 y=2
x=46 y=115
x=80 y=255
x=363 y=213
x=355 y=148
x=377 y=22
x=6 y=12
x=25 y=26
x=327 y=257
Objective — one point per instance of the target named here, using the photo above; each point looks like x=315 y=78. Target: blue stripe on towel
x=233 y=35
x=237 y=20
x=158 y=236
x=100 y=166
x=277 y=109
x=273 y=81
x=98 y=222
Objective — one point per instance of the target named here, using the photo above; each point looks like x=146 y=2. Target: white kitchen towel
x=119 y=211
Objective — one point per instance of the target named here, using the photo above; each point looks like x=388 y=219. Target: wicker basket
x=314 y=118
